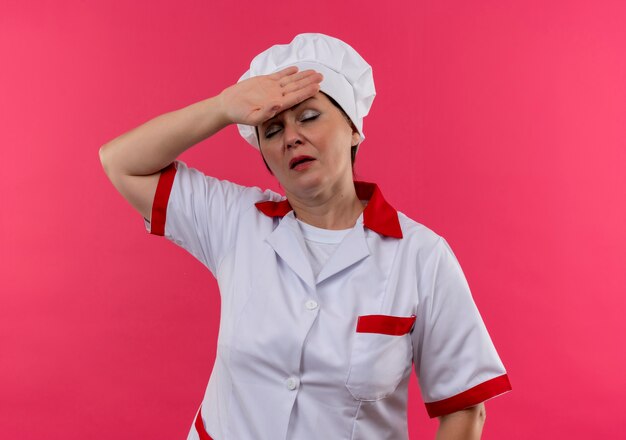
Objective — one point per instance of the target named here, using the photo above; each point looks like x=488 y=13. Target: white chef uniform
x=301 y=356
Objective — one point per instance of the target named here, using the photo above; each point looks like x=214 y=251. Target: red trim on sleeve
x=385 y=324
x=161 y=197
x=471 y=397
x=200 y=427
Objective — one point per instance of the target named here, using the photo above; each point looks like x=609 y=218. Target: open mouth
x=299 y=160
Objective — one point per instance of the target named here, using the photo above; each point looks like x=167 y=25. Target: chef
x=329 y=295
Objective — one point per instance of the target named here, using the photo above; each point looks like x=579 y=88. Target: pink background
x=499 y=125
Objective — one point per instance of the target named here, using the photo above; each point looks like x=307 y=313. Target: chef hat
x=347 y=79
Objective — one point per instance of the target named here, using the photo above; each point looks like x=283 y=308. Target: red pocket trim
x=385 y=324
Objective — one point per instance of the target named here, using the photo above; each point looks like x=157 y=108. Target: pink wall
x=500 y=125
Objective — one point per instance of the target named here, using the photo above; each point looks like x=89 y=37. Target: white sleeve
x=198 y=212
x=455 y=360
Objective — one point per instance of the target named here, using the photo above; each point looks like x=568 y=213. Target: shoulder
x=416 y=234
x=421 y=244
x=193 y=180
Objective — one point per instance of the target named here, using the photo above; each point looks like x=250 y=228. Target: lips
x=298 y=160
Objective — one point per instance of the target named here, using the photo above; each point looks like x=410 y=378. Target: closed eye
x=310 y=118
x=271 y=131
x=308 y=115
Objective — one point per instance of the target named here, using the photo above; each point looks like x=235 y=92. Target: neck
x=337 y=208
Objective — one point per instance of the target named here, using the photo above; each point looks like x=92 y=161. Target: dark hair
x=353 y=150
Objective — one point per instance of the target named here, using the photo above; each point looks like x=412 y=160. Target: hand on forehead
x=347 y=77
x=256 y=99
x=296 y=87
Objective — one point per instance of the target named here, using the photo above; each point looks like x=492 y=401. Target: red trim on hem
x=161 y=197
x=200 y=427
x=385 y=324
x=378 y=215
x=475 y=395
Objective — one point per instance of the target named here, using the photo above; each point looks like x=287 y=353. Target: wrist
x=221 y=115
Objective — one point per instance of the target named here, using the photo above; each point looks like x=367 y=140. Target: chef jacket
x=327 y=357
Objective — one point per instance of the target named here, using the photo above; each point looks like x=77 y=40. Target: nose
x=291 y=135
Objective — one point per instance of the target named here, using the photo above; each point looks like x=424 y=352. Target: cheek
x=269 y=149
x=341 y=145
x=337 y=137
x=268 y=155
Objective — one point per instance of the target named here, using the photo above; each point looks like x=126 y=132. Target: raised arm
x=133 y=160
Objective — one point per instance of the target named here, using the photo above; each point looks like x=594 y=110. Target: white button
x=292 y=383
x=311 y=305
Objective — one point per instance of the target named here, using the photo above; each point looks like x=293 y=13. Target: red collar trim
x=379 y=216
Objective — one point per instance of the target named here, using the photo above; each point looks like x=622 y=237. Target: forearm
x=466 y=424
x=153 y=145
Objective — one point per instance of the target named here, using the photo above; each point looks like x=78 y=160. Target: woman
x=328 y=295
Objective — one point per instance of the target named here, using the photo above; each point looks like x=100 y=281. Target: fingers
x=286 y=71
x=300 y=81
x=303 y=88
x=290 y=74
x=287 y=80
x=300 y=95
x=290 y=87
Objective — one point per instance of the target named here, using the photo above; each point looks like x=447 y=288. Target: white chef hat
x=347 y=79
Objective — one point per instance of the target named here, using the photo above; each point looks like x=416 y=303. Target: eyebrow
x=269 y=121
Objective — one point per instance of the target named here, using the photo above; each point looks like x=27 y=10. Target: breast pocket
x=381 y=355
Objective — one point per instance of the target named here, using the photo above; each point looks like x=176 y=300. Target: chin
x=306 y=184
